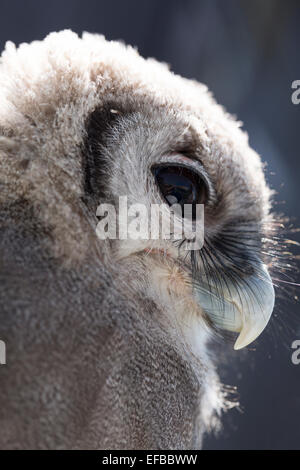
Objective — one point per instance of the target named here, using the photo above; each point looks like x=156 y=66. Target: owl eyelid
x=177 y=159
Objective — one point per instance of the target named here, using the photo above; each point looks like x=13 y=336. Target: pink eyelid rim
x=177 y=158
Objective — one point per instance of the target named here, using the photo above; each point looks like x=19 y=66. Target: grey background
x=247 y=52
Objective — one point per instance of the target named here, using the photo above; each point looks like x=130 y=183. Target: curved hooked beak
x=245 y=308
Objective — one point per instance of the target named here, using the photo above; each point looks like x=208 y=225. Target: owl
x=110 y=341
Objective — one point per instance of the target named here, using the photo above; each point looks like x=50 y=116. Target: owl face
x=164 y=157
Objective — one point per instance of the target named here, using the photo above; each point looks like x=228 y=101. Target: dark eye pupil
x=180 y=185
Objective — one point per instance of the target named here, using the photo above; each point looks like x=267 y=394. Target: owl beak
x=257 y=311
x=245 y=308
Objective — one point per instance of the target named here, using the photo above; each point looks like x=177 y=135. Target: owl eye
x=180 y=185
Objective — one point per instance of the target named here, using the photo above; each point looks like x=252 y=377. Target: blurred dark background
x=247 y=52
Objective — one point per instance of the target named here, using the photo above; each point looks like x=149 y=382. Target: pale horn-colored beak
x=245 y=307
